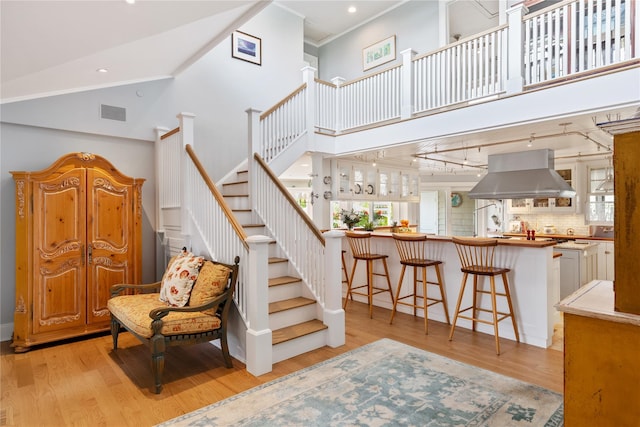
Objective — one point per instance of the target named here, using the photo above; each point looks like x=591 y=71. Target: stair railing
x=566 y=39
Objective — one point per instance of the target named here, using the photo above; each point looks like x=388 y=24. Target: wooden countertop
x=596 y=300
x=501 y=242
x=562 y=236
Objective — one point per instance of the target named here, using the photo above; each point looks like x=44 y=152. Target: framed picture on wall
x=379 y=53
x=246 y=47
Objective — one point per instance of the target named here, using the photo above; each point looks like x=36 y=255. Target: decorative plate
x=456 y=199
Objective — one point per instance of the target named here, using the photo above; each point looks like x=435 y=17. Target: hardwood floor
x=85 y=383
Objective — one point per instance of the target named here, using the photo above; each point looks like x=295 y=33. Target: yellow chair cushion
x=133 y=313
x=211 y=283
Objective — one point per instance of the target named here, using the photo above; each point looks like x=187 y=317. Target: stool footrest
x=490 y=322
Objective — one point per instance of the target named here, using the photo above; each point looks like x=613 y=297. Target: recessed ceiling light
x=130 y=1
x=352 y=9
x=102 y=70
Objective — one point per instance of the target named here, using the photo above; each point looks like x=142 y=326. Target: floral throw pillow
x=211 y=282
x=179 y=278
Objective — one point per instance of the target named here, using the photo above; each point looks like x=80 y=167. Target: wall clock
x=456 y=199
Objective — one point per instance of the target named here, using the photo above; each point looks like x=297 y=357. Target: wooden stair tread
x=283 y=280
x=240 y=210
x=236 y=195
x=235 y=183
x=252 y=225
x=276 y=260
x=288 y=304
x=295 y=331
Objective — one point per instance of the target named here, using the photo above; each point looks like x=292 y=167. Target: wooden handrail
x=462 y=41
x=322 y=82
x=370 y=75
x=289 y=197
x=171 y=132
x=281 y=103
x=219 y=198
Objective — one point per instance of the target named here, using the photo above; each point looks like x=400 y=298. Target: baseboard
x=6 y=331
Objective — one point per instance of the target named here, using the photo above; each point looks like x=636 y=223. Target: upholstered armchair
x=151 y=312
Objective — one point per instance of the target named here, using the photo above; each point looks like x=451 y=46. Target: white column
x=515 y=66
x=258 y=336
x=253 y=117
x=159 y=226
x=338 y=81
x=333 y=313
x=187 y=134
x=406 y=100
x=308 y=77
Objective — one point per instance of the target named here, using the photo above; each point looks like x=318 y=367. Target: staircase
x=294 y=314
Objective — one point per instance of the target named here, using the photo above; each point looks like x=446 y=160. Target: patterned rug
x=385 y=383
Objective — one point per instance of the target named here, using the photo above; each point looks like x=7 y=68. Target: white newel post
x=333 y=313
x=186 y=131
x=159 y=190
x=258 y=335
x=515 y=41
x=406 y=101
x=308 y=77
x=254 y=145
x=338 y=81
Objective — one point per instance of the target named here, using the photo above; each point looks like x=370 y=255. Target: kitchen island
x=533 y=282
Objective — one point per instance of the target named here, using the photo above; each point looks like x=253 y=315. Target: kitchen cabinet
x=578 y=266
x=359 y=181
x=78 y=231
x=605 y=263
x=547 y=204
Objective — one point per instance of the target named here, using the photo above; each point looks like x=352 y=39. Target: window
x=600 y=198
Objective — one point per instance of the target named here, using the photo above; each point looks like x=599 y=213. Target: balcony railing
x=567 y=40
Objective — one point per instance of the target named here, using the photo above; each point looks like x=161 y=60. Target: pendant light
x=607 y=184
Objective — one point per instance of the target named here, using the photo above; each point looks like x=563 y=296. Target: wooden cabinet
x=78 y=231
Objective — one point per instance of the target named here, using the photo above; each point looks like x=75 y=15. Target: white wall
x=415 y=25
x=217 y=89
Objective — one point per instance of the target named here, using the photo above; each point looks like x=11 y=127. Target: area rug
x=385 y=383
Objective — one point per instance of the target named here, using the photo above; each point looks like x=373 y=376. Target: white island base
x=533 y=282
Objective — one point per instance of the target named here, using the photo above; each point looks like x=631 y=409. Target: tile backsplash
x=561 y=222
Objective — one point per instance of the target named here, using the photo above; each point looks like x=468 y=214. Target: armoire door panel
x=59 y=251
x=109 y=235
x=78 y=225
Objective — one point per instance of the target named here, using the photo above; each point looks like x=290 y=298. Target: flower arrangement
x=350 y=218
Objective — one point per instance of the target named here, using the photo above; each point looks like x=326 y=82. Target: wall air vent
x=113 y=113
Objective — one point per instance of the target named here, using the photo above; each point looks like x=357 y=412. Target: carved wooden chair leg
x=115 y=330
x=157 y=361
x=225 y=351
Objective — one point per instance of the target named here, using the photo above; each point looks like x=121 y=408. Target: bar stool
x=360 y=244
x=476 y=258
x=411 y=248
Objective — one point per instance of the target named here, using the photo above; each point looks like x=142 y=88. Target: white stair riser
x=295 y=347
x=283 y=292
x=291 y=317
x=278 y=269
x=243 y=217
x=254 y=231
x=241 y=188
x=237 y=202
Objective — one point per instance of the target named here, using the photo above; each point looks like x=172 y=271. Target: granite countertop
x=575 y=246
x=596 y=300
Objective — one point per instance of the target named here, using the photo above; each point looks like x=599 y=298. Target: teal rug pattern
x=385 y=383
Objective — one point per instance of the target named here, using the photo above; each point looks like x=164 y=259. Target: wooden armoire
x=78 y=231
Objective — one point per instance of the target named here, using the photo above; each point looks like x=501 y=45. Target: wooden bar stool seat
x=412 y=252
x=360 y=244
x=476 y=258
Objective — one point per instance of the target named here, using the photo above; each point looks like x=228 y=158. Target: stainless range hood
x=528 y=174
